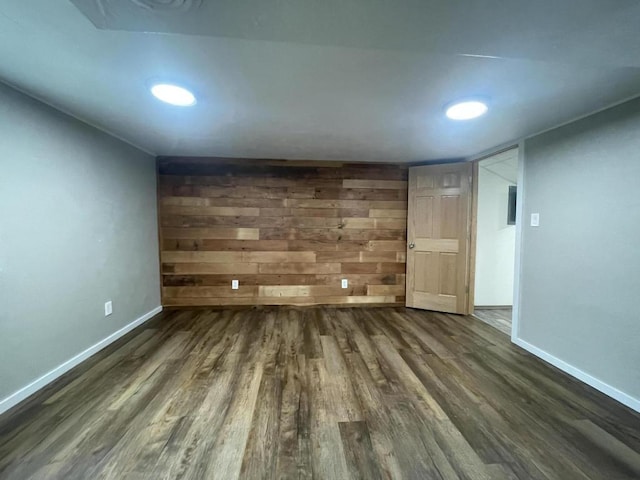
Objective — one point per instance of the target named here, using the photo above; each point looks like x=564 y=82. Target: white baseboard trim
x=17 y=397
x=605 y=388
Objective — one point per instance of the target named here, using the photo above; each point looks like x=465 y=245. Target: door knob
x=411 y=245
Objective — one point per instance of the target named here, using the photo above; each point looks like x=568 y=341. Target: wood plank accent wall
x=288 y=231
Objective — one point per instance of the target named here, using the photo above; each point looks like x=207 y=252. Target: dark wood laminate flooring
x=499 y=318
x=318 y=393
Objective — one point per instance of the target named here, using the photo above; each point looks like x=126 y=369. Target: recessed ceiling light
x=173 y=94
x=466 y=110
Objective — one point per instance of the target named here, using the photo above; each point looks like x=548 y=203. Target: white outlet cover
x=108 y=308
x=535 y=219
x=345 y=283
x=235 y=284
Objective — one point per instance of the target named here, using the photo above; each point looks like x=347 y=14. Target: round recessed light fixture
x=466 y=110
x=173 y=94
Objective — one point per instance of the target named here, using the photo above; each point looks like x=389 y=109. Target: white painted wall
x=77 y=228
x=495 y=242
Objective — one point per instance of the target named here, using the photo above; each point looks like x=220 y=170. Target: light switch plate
x=108 y=308
x=235 y=284
x=345 y=283
x=535 y=219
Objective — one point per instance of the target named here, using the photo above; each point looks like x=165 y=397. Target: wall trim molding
x=38 y=384
x=584 y=377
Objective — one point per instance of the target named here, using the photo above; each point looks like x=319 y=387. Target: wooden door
x=439 y=237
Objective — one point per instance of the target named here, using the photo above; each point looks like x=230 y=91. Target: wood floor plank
x=414 y=388
x=339 y=395
x=230 y=444
x=608 y=446
x=358 y=450
x=328 y=458
x=318 y=393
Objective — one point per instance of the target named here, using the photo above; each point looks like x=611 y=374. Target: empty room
x=278 y=239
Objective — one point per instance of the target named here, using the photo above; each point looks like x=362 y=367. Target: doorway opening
x=496 y=239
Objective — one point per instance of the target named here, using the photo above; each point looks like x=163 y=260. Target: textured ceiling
x=339 y=79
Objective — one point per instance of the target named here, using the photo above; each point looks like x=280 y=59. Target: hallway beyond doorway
x=499 y=318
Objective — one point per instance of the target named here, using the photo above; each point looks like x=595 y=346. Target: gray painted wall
x=580 y=270
x=77 y=228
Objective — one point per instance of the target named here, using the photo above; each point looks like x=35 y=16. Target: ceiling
x=361 y=80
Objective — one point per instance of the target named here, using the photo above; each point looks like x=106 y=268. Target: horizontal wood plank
x=217 y=233
x=386 y=245
x=375 y=223
x=271 y=268
x=330 y=300
x=216 y=211
x=388 y=184
x=208 y=268
x=178 y=280
x=387 y=213
x=385 y=289
x=205 y=292
x=309 y=290
x=225 y=245
x=237 y=257
x=335 y=234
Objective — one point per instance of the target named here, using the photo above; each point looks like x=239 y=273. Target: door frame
x=515 y=315
x=520 y=193
x=473 y=221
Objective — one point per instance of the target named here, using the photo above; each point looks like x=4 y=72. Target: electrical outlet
x=345 y=283
x=235 y=284
x=108 y=308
